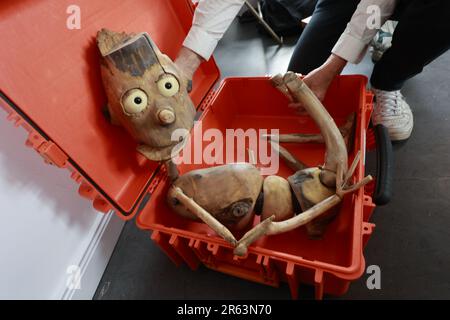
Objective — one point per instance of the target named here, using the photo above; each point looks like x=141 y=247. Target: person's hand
x=188 y=62
x=320 y=79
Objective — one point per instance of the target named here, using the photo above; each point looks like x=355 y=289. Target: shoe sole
x=400 y=136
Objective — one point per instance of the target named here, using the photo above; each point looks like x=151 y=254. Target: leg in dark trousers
x=422 y=34
x=328 y=22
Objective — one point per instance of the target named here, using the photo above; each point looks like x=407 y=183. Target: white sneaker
x=392 y=111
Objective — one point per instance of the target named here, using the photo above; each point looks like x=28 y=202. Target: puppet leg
x=203 y=215
x=346 y=131
x=291 y=161
x=269 y=227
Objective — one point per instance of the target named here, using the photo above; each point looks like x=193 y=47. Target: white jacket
x=213 y=17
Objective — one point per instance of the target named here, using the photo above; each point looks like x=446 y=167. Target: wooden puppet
x=148 y=96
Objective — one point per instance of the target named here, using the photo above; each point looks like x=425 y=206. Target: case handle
x=385 y=166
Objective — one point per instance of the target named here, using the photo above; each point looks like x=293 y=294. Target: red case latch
x=53 y=154
x=48 y=150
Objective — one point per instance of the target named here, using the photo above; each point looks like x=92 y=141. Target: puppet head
x=147 y=95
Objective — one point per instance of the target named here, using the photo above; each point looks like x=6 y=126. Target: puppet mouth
x=163 y=153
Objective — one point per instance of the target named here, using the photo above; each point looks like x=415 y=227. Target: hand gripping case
x=50 y=85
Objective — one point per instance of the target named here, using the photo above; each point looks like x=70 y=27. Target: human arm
x=352 y=44
x=211 y=19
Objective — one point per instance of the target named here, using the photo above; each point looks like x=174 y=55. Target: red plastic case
x=51 y=86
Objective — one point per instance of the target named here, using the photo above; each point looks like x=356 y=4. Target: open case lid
x=50 y=75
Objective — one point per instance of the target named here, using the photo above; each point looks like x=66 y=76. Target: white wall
x=45 y=226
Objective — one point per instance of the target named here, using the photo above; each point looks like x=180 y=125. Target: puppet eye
x=168 y=85
x=134 y=101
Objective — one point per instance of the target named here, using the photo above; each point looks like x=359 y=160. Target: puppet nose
x=166 y=115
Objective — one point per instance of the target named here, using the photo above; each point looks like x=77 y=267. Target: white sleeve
x=353 y=43
x=211 y=19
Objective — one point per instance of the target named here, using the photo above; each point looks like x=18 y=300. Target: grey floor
x=411 y=243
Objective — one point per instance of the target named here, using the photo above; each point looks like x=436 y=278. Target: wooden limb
x=253 y=235
x=342 y=184
x=346 y=131
x=344 y=187
x=354 y=187
x=269 y=227
x=336 y=154
x=304 y=217
x=352 y=168
x=290 y=160
x=204 y=215
x=295 y=138
x=278 y=83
